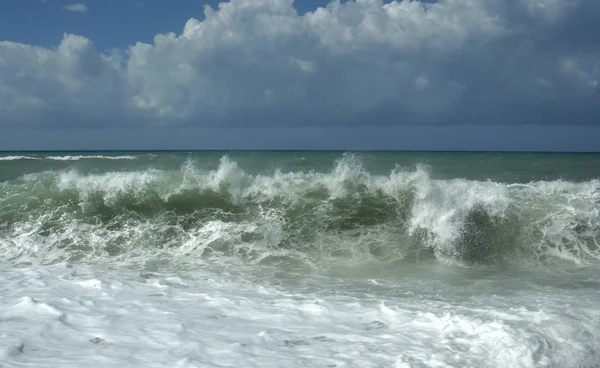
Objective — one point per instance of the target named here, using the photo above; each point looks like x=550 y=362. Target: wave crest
x=346 y=214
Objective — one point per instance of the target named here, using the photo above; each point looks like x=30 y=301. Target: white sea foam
x=68 y=157
x=218 y=267
x=85 y=316
x=561 y=219
x=89 y=157
x=14 y=158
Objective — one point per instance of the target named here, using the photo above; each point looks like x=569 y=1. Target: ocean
x=299 y=259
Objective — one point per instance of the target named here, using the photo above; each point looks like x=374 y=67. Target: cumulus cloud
x=259 y=62
x=79 y=7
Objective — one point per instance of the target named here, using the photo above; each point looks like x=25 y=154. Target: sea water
x=299 y=259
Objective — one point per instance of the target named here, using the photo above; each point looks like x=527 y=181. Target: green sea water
x=462 y=206
x=498 y=166
x=417 y=259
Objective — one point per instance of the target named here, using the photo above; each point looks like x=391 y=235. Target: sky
x=305 y=74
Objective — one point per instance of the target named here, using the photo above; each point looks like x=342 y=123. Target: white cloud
x=79 y=7
x=362 y=62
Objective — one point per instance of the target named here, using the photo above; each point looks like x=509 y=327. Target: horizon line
x=297 y=150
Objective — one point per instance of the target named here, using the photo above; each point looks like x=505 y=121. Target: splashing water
x=294 y=258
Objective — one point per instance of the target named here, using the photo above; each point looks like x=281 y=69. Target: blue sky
x=109 y=23
x=364 y=74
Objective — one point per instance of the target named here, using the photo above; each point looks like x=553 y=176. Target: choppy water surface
x=319 y=259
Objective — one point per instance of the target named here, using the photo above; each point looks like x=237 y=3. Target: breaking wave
x=66 y=158
x=89 y=157
x=15 y=158
x=344 y=215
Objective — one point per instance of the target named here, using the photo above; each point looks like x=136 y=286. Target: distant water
x=299 y=259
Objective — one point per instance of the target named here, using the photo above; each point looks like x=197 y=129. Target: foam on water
x=213 y=267
x=75 y=316
x=345 y=215
x=89 y=157
x=14 y=158
x=67 y=158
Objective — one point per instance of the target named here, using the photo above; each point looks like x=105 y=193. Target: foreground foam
x=100 y=317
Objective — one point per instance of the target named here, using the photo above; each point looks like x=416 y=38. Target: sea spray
x=317 y=259
x=342 y=214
